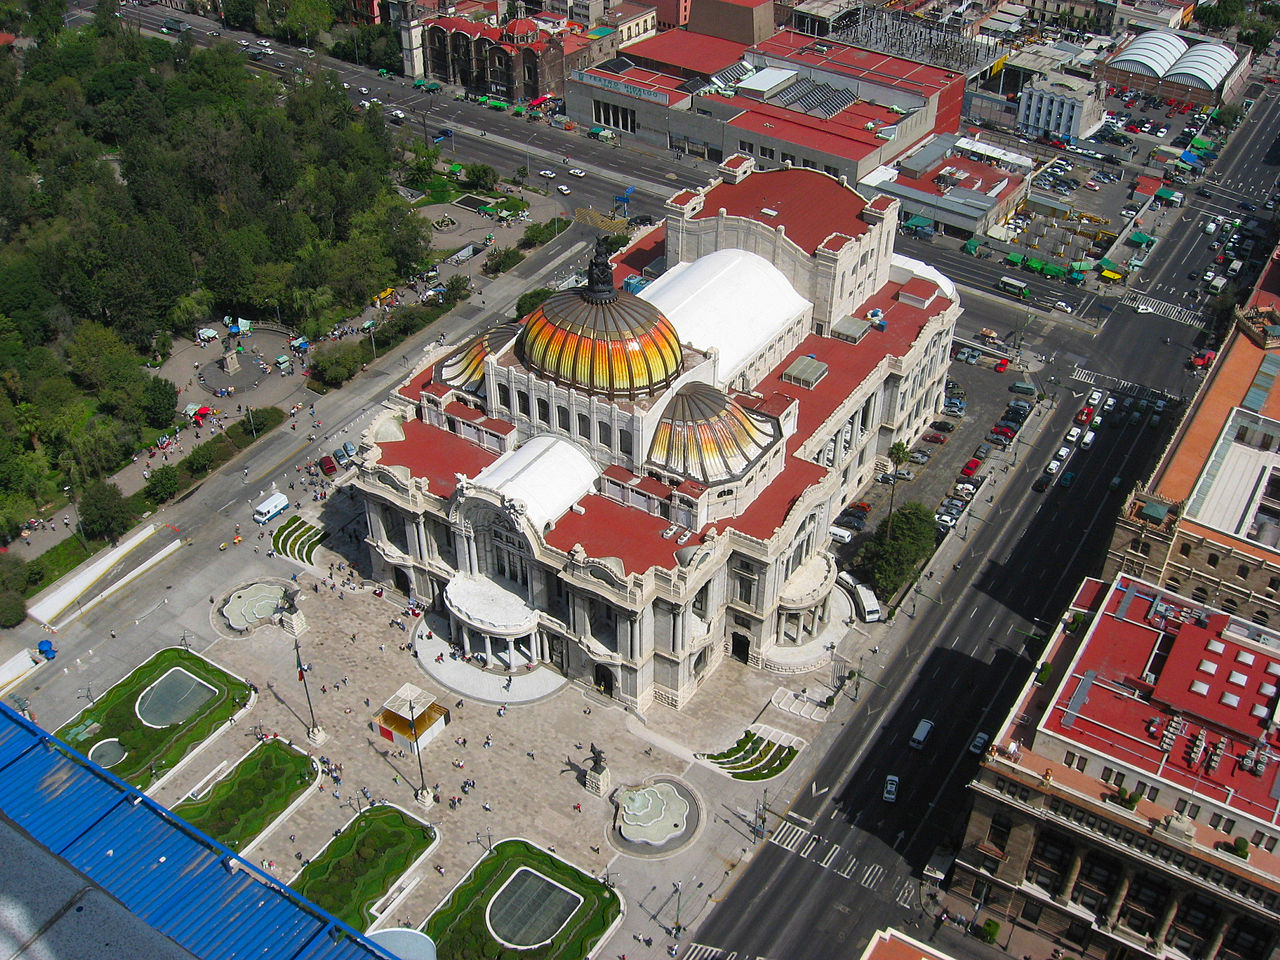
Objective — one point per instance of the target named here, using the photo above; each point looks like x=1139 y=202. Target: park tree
x=457 y=288
x=164 y=483
x=104 y=514
x=480 y=176
x=900 y=544
x=531 y=300
x=159 y=402
x=501 y=259
x=899 y=454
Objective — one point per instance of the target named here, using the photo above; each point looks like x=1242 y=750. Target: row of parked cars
x=340 y=459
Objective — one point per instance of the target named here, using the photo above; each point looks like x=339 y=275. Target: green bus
x=1015 y=287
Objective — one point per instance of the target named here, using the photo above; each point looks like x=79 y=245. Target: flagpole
x=302 y=678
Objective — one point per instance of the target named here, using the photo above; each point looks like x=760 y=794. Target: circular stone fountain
x=252 y=604
x=657 y=818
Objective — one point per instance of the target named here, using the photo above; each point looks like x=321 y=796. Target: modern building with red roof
x=1128 y=802
x=1207 y=521
x=786 y=98
x=641 y=484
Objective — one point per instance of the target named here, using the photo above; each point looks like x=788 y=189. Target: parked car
x=328 y=467
x=970 y=468
x=1084 y=416
x=943 y=426
x=919 y=456
x=1002 y=365
x=885 y=478
x=935 y=438
x=979 y=744
x=1042 y=483
x=902 y=473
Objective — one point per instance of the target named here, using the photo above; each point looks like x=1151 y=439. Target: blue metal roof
x=190 y=888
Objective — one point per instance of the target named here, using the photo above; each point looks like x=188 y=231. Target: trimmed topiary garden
x=298 y=539
x=356 y=870
x=198 y=699
x=753 y=757
x=460 y=927
x=260 y=788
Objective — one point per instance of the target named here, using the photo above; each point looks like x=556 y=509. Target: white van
x=1235 y=268
x=847 y=579
x=1087 y=442
x=921 y=736
x=840 y=534
x=1217 y=285
x=270 y=508
x=867 y=604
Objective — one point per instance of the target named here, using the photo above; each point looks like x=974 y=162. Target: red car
x=1133 y=128
x=1085 y=415
x=1003 y=431
x=935 y=438
x=970 y=468
x=328 y=465
x=1002 y=365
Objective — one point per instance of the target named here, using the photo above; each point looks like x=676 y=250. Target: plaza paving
x=530 y=778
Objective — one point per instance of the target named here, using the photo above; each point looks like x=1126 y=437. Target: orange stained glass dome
x=600 y=340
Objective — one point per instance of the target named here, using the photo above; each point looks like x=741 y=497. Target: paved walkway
x=443 y=664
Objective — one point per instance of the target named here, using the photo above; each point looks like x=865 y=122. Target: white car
x=548 y=174
x=1064 y=454
x=1063 y=306
x=563 y=189
x=1074 y=434
x=264 y=43
x=1143 y=308
x=364 y=91
x=1109 y=405
x=890 y=792
x=243 y=43
x=1095 y=398
x=1053 y=467
x=345 y=85
x=575 y=172
x=946 y=519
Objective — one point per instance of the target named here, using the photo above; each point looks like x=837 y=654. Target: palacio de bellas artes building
x=628 y=488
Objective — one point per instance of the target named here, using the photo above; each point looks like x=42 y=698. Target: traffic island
x=260 y=788
x=359 y=866
x=151 y=720
x=520 y=897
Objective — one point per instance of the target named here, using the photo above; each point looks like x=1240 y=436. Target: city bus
x=1015 y=287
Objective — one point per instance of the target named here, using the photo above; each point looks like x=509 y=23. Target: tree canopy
x=146 y=189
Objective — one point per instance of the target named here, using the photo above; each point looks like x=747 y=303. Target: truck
x=270 y=508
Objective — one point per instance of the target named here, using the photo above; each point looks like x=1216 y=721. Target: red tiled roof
x=1267 y=292
x=810 y=204
x=436 y=455
x=882 y=203
x=647 y=248
x=920 y=288
x=980 y=176
x=683 y=197
x=860 y=63
x=609 y=529
x=1147 y=186
x=683 y=50
x=1114 y=716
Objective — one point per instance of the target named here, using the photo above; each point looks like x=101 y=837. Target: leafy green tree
x=104 y=514
x=308 y=18
x=901 y=542
x=13 y=608
x=531 y=300
x=501 y=259
x=164 y=484
x=457 y=288
x=335 y=365
x=238 y=14
x=479 y=176
x=899 y=454
x=159 y=401
x=199 y=460
x=1228 y=114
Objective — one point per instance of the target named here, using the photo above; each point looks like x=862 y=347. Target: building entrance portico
x=487 y=619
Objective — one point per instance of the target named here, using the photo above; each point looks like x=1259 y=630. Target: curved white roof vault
x=732 y=300
x=1152 y=54
x=547 y=474
x=1204 y=65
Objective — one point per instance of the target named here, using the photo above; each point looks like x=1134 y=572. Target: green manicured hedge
x=149 y=748
x=358 y=868
x=459 y=929
x=258 y=790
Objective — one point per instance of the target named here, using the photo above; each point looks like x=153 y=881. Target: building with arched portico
x=630 y=487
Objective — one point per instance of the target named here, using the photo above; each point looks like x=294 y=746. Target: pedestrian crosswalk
x=1192 y=318
x=700 y=951
x=827 y=855
x=1114 y=384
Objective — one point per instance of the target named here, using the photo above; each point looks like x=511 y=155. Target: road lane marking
x=847 y=870
x=788 y=836
x=872 y=876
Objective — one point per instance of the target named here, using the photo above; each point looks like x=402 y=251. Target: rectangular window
x=789 y=158
x=624 y=442
x=544 y=410
x=584 y=426
x=1106 y=774
x=522 y=399
x=1081 y=763
x=504 y=396
x=768 y=153
x=562 y=417
x=606 y=433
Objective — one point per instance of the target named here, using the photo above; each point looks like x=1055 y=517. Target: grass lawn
x=258 y=790
x=114 y=716
x=358 y=868
x=459 y=929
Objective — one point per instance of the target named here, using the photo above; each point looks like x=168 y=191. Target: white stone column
x=488 y=649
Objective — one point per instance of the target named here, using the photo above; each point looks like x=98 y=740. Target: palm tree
x=898 y=455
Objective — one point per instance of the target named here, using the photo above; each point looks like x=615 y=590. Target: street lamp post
x=421 y=793
x=373 y=344
x=675 y=932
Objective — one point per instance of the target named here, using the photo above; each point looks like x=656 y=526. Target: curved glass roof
x=1151 y=54
x=708 y=436
x=464 y=368
x=1205 y=65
